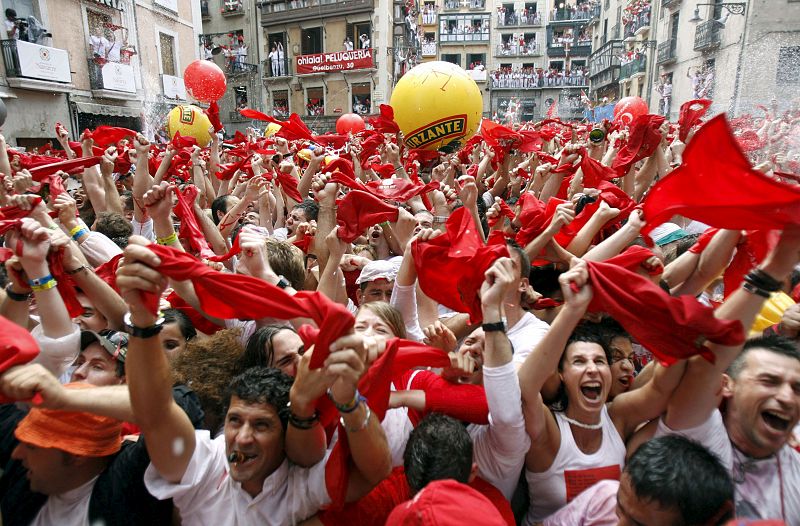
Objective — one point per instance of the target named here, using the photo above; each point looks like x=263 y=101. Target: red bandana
x=359 y=211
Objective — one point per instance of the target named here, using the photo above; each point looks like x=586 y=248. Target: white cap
x=380 y=269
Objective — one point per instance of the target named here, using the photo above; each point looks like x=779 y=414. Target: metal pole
x=734 y=106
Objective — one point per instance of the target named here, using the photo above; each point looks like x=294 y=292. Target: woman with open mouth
x=583 y=441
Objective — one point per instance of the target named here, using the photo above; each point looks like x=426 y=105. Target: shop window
x=362 y=98
x=315 y=101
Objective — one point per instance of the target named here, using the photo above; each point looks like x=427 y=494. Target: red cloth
x=691 y=113
x=374 y=508
x=108 y=271
x=384 y=171
x=633 y=257
x=394 y=189
x=651 y=315
x=703 y=241
x=17 y=347
x=213 y=116
x=190 y=229
x=534 y=216
x=505 y=211
x=70 y=166
x=446 y=503
x=105 y=136
x=292 y=130
x=451 y=266
x=384 y=122
x=594 y=171
x=717 y=186
x=499 y=138
x=359 y=211
x=66 y=287
x=751 y=251
x=288 y=184
x=200 y=322
x=465 y=402
x=642 y=142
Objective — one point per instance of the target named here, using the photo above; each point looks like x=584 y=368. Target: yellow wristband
x=47 y=285
x=170 y=239
x=75 y=230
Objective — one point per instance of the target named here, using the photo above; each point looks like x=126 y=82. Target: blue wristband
x=38 y=282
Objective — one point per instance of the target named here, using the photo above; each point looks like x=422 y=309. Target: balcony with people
x=509 y=17
x=563 y=42
x=232 y=8
x=570 y=13
x=461 y=29
x=274 y=12
x=524 y=45
x=604 y=64
x=529 y=77
x=636 y=18
x=631 y=64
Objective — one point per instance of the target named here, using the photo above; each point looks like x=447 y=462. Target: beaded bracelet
x=170 y=239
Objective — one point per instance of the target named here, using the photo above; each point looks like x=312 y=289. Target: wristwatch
x=497 y=326
x=142 y=332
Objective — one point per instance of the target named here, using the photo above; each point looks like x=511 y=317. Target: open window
x=280 y=104
x=362 y=98
x=315 y=101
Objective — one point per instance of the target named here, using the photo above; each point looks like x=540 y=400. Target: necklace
x=581 y=424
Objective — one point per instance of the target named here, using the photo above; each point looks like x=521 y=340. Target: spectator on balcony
x=99 y=44
x=208 y=50
x=114 y=47
x=501 y=16
x=12 y=31
x=241 y=54
x=364 y=41
x=347 y=44
x=664 y=90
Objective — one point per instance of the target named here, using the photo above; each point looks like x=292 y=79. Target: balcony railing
x=274 y=12
x=667 y=51
x=637 y=65
x=594 y=12
x=706 y=36
x=605 y=58
x=26 y=60
x=232 y=8
x=454 y=5
x=457 y=38
x=575 y=48
x=533 y=81
x=640 y=21
x=234 y=69
x=429 y=49
x=514 y=20
x=614 y=34
x=111 y=76
x=276 y=69
x=531 y=49
x=668 y=3
x=205 y=10
x=568 y=15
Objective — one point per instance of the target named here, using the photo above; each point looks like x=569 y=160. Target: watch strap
x=497 y=326
x=142 y=332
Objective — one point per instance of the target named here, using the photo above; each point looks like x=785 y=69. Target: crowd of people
x=519 y=45
x=552 y=323
x=533 y=77
x=526 y=16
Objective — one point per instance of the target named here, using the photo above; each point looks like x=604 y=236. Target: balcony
x=112 y=80
x=274 y=12
x=429 y=49
x=637 y=24
x=503 y=81
x=594 y=14
x=579 y=48
x=531 y=49
x=614 y=34
x=205 y=10
x=32 y=66
x=604 y=64
x=637 y=65
x=573 y=14
x=276 y=70
x=667 y=51
x=706 y=36
x=670 y=3
x=478 y=75
x=462 y=38
x=517 y=20
x=237 y=69
x=232 y=8
x=455 y=5
x=429 y=16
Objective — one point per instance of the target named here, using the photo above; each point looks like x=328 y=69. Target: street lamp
x=733 y=8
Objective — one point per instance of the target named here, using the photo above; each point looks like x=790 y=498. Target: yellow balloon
x=189 y=121
x=437 y=104
x=304 y=154
x=771 y=312
x=272 y=129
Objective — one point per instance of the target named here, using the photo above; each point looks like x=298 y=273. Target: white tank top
x=572 y=470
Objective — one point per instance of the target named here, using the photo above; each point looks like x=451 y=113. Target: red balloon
x=349 y=123
x=628 y=108
x=204 y=81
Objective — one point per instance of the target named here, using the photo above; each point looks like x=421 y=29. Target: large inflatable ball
x=628 y=108
x=349 y=123
x=189 y=121
x=204 y=81
x=437 y=106
x=272 y=129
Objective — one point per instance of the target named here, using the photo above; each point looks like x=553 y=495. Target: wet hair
x=259 y=351
x=544 y=280
x=184 y=323
x=220 y=204
x=206 y=366
x=589 y=332
x=390 y=315
x=262 y=385
x=438 y=448
x=692 y=481
x=685 y=243
x=772 y=343
x=366 y=248
x=287 y=261
x=309 y=207
x=115 y=227
x=611 y=329
x=524 y=260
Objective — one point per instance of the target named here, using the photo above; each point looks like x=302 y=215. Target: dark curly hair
x=262 y=385
x=115 y=227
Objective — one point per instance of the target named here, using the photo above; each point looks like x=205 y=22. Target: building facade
x=89 y=62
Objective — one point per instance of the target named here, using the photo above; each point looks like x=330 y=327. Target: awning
x=114 y=4
x=107 y=109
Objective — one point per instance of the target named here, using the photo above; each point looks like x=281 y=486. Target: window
x=240 y=96
x=315 y=101
x=312 y=40
x=362 y=98
x=360 y=35
x=276 y=64
x=166 y=44
x=788 y=65
x=464 y=28
x=476 y=59
x=557 y=65
x=453 y=59
x=280 y=104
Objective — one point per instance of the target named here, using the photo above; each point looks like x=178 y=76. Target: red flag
x=691 y=113
x=104 y=136
x=717 y=186
x=642 y=142
x=359 y=211
x=384 y=123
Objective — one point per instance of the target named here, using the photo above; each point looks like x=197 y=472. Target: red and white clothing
x=765 y=488
x=573 y=471
x=597 y=506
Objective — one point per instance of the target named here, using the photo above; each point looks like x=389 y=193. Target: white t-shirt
x=525 y=335
x=207 y=494
x=68 y=509
x=597 y=506
x=499 y=448
x=280 y=234
x=759 y=485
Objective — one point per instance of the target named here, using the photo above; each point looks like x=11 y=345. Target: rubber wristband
x=77 y=235
x=75 y=230
x=45 y=286
x=40 y=281
x=16 y=296
x=170 y=239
